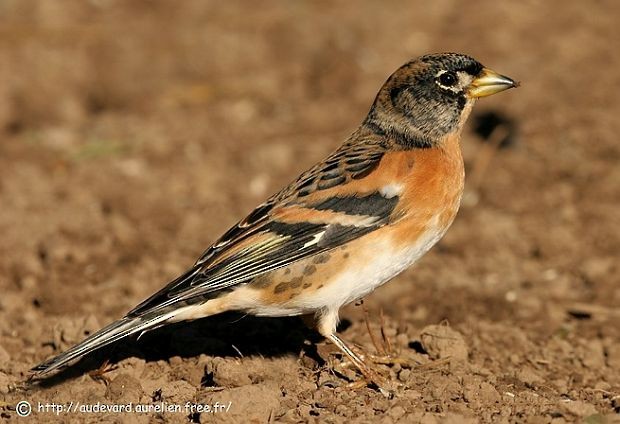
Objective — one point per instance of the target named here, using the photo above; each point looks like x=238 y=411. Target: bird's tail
x=109 y=334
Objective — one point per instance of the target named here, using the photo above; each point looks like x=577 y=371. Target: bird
x=344 y=227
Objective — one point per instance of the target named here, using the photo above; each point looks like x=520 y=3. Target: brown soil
x=133 y=133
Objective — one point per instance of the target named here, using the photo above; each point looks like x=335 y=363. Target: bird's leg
x=378 y=347
x=385 y=353
x=386 y=340
x=327 y=327
x=100 y=373
x=369 y=374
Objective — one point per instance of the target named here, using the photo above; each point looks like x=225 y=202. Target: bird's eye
x=448 y=79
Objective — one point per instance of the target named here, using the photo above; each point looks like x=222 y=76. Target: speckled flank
x=298 y=280
x=288 y=285
x=321 y=258
x=309 y=270
x=262 y=281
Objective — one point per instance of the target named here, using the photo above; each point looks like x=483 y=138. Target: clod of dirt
x=449 y=418
x=442 y=387
x=478 y=392
x=4 y=356
x=404 y=375
x=592 y=354
x=529 y=377
x=253 y=403
x=5 y=381
x=177 y=391
x=578 y=407
x=195 y=374
x=124 y=388
x=228 y=373
x=397 y=412
x=132 y=366
x=441 y=341
x=598 y=268
x=223 y=372
x=613 y=356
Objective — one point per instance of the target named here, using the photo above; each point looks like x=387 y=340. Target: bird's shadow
x=226 y=335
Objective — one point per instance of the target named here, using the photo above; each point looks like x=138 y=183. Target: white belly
x=384 y=263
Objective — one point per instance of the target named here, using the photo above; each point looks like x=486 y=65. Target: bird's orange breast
x=433 y=181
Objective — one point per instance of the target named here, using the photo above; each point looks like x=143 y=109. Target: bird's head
x=431 y=97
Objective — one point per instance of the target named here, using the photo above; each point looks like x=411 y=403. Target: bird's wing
x=298 y=222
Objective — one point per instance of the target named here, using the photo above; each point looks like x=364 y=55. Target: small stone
x=561 y=384
x=404 y=375
x=343 y=410
x=4 y=356
x=255 y=403
x=178 y=391
x=309 y=362
x=593 y=355
x=124 y=387
x=381 y=405
x=229 y=374
x=578 y=408
x=132 y=366
x=429 y=418
x=597 y=268
x=397 y=412
x=452 y=418
x=413 y=395
x=603 y=386
x=477 y=392
x=529 y=377
x=442 y=388
x=489 y=394
x=613 y=356
x=194 y=374
x=441 y=341
x=5 y=382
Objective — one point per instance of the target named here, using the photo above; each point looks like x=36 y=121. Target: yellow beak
x=490 y=82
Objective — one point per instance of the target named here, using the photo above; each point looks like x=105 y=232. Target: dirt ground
x=134 y=133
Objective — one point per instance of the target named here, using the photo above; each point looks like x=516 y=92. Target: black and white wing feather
x=292 y=225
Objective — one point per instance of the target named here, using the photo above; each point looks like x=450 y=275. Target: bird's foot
x=374 y=379
x=100 y=373
x=359 y=360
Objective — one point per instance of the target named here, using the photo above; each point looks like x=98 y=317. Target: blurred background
x=134 y=133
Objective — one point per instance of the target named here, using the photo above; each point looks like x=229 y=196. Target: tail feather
x=109 y=334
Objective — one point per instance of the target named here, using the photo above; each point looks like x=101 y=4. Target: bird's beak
x=490 y=82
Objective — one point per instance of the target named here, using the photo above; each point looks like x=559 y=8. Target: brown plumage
x=345 y=226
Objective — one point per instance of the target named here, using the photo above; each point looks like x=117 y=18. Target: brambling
x=342 y=228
